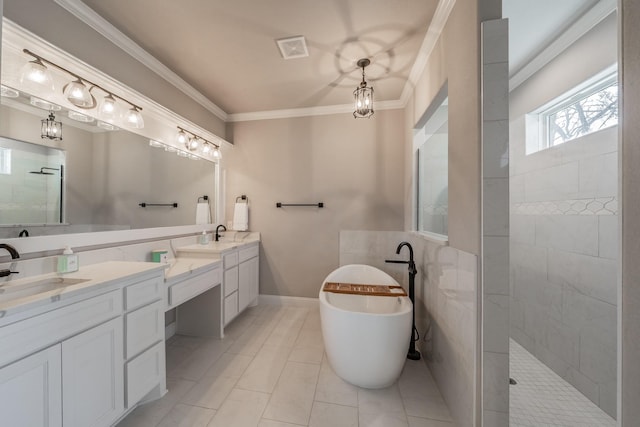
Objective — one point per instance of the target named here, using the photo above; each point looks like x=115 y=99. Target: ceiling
x=227 y=49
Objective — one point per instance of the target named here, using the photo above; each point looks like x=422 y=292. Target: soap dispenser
x=68 y=261
x=204 y=238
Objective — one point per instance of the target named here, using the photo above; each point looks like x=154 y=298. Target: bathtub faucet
x=412 y=354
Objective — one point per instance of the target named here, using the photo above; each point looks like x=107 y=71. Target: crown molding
x=309 y=111
x=87 y=15
x=586 y=22
x=434 y=31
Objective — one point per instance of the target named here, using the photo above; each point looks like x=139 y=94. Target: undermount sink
x=10 y=291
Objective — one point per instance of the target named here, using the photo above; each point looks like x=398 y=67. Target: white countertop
x=213 y=249
x=94 y=276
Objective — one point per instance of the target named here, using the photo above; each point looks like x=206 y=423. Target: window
x=431 y=144
x=5 y=161
x=591 y=107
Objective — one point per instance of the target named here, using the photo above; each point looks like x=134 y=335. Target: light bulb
x=194 y=143
x=206 y=149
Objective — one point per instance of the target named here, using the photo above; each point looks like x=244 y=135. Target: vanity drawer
x=144 y=327
x=230 y=307
x=27 y=336
x=143 y=373
x=142 y=293
x=230 y=259
x=193 y=286
x=230 y=280
x=248 y=253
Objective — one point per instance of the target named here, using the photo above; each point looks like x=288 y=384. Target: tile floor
x=543 y=398
x=270 y=370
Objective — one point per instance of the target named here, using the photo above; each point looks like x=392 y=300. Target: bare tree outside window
x=598 y=110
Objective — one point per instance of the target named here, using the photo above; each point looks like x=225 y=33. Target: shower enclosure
x=31 y=183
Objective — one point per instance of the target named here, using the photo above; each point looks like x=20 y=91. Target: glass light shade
x=45 y=105
x=217 y=154
x=107 y=110
x=36 y=74
x=363 y=101
x=79 y=117
x=107 y=126
x=8 y=92
x=193 y=144
x=51 y=128
x=156 y=144
x=133 y=118
x=77 y=93
x=206 y=149
x=182 y=137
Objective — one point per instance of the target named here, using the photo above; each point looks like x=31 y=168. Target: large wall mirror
x=94 y=179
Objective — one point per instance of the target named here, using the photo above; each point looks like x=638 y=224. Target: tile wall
x=445 y=312
x=564 y=244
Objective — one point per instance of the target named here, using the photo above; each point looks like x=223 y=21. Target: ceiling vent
x=293 y=47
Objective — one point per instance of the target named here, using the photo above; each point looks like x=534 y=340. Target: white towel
x=203 y=215
x=241 y=217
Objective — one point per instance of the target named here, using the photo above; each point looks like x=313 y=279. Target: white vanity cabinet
x=241 y=278
x=63 y=364
x=248 y=276
x=92 y=378
x=31 y=390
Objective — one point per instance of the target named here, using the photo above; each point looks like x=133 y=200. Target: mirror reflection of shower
x=41 y=171
x=32 y=184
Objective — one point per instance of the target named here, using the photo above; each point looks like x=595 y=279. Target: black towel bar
x=317 y=205
x=144 y=204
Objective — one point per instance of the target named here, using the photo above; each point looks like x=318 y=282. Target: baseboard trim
x=286 y=300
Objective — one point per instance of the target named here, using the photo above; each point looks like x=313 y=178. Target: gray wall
x=564 y=229
x=354 y=166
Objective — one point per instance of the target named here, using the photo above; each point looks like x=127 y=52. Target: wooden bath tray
x=359 y=289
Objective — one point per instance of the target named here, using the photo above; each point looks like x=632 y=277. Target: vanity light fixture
x=36 y=72
x=196 y=143
x=79 y=91
x=51 y=128
x=363 y=95
x=8 y=92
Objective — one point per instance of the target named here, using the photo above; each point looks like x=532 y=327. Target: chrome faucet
x=14 y=253
x=217 y=237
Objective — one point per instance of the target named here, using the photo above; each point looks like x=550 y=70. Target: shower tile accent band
x=590 y=206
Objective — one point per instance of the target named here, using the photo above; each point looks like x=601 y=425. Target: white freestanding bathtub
x=366 y=338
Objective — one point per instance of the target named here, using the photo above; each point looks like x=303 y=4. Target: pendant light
x=51 y=128
x=363 y=95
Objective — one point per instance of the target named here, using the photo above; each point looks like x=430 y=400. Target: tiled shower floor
x=542 y=398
